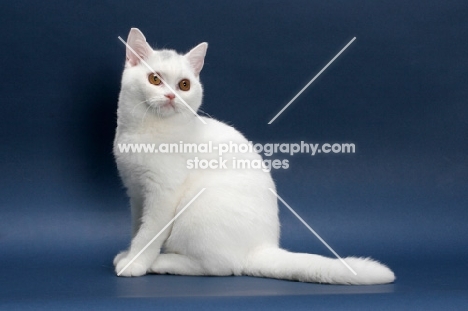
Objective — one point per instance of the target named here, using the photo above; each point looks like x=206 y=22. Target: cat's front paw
x=134 y=269
x=119 y=257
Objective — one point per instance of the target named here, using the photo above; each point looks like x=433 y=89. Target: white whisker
x=143 y=119
x=186 y=114
x=206 y=114
x=133 y=110
x=158 y=112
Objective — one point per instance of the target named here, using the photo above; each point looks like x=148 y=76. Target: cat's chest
x=140 y=154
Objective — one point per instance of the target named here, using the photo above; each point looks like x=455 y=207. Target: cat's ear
x=137 y=42
x=196 y=57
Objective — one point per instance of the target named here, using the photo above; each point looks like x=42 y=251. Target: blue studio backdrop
x=398 y=92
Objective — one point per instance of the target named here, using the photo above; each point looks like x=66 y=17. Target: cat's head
x=162 y=83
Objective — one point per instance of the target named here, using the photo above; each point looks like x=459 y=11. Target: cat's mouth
x=165 y=108
x=170 y=104
x=163 y=105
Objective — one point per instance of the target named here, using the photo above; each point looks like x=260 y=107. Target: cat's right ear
x=137 y=47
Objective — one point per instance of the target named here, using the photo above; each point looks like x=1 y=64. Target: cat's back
x=219 y=132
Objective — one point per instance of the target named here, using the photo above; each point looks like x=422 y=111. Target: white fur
x=230 y=229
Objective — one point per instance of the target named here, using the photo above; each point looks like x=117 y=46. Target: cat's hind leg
x=176 y=264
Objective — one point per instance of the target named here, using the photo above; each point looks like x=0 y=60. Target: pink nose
x=170 y=96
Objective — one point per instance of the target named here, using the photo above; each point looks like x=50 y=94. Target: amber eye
x=184 y=85
x=153 y=79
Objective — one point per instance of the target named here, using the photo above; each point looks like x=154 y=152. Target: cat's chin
x=172 y=110
x=165 y=114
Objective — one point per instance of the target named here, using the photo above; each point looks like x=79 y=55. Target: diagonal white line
x=313 y=231
x=313 y=79
x=157 y=75
x=162 y=230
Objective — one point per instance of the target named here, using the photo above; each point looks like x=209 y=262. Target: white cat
x=232 y=228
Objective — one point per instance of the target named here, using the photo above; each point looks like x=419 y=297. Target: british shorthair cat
x=232 y=227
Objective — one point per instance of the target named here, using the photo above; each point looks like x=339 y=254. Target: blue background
x=399 y=92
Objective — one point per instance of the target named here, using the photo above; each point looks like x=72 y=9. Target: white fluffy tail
x=280 y=264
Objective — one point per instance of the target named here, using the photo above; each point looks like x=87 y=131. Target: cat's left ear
x=196 y=57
